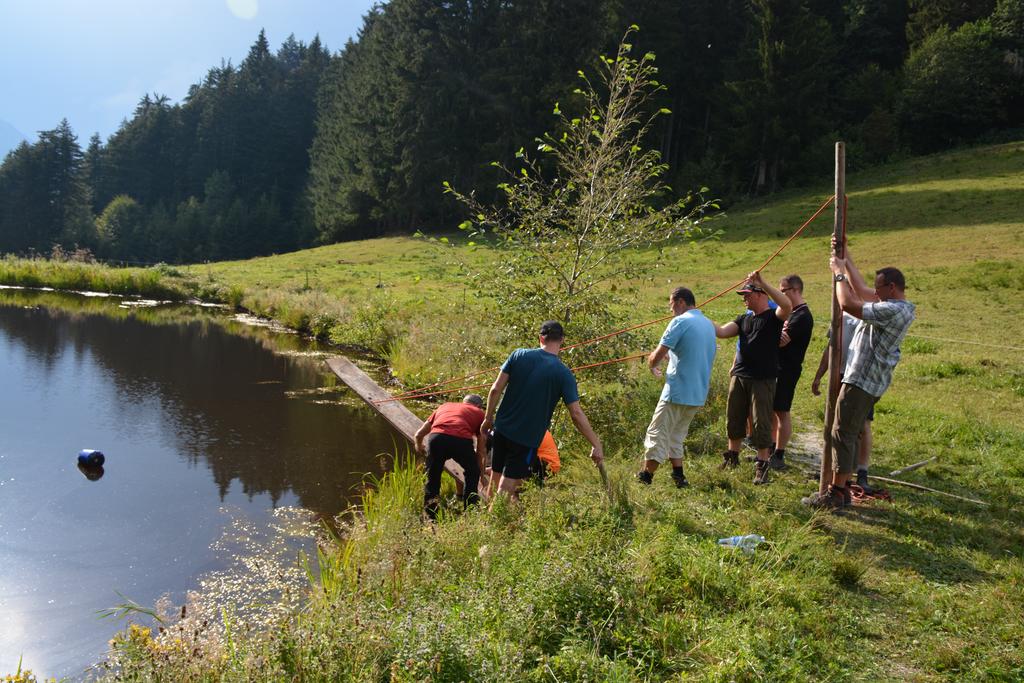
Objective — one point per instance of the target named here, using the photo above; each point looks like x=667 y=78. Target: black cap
x=749 y=288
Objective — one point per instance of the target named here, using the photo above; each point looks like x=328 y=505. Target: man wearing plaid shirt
x=885 y=316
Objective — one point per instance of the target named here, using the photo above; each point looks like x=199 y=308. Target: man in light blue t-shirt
x=689 y=343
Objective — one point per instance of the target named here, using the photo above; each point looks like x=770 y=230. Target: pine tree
x=783 y=78
x=69 y=220
x=24 y=201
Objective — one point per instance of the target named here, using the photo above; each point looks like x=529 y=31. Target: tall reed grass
x=76 y=276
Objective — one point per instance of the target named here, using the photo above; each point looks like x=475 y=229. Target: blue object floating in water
x=91 y=458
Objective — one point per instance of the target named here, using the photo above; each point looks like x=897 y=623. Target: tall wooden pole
x=835 y=355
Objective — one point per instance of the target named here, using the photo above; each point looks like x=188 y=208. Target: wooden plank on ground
x=396 y=414
x=926 y=488
x=910 y=468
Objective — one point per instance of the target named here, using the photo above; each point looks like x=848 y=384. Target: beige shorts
x=667 y=431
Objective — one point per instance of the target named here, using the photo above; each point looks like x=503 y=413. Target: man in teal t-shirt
x=689 y=342
x=533 y=381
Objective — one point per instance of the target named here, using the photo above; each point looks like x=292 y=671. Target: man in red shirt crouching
x=450 y=432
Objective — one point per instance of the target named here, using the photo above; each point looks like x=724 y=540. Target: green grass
x=577 y=586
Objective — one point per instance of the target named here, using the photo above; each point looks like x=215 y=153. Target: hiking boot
x=777 y=462
x=834 y=499
x=644 y=477
x=730 y=460
x=761 y=471
x=680 y=479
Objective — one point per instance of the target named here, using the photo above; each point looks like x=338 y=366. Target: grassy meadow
x=580 y=584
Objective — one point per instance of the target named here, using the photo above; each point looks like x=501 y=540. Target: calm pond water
x=211 y=431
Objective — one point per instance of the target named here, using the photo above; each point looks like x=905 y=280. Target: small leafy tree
x=581 y=217
x=121 y=228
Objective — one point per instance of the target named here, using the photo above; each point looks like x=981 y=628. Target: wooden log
x=396 y=414
x=835 y=355
x=911 y=468
x=925 y=488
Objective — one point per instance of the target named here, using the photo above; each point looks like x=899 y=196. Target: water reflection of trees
x=244 y=411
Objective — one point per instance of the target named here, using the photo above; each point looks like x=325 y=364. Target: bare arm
x=481 y=451
x=849 y=299
x=863 y=289
x=657 y=355
x=730 y=329
x=820 y=372
x=421 y=434
x=785 y=306
x=579 y=419
x=492 y=402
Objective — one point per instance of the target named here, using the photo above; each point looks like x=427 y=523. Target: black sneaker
x=870 y=490
x=777 y=462
x=680 y=479
x=730 y=460
x=862 y=482
x=644 y=477
x=833 y=500
x=761 y=471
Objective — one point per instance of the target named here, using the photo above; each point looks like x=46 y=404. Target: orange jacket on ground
x=548 y=452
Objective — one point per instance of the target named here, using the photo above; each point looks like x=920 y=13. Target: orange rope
x=405 y=394
x=799 y=230
x=479 y=386
x=720 y=294
x=403 y=397
x=410 y=395
x=608 y=362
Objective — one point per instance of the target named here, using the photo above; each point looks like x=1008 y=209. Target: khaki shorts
x=852 y=409
x=751 y=398
x=668 y=430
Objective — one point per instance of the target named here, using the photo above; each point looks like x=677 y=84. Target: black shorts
x=784 y=391
x=511 y=459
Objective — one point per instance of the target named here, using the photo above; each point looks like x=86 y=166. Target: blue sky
x=91 y=62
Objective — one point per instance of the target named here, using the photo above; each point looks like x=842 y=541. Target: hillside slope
x=580 y=586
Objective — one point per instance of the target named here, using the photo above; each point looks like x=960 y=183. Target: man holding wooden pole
x=886 y=316
x=849 y=328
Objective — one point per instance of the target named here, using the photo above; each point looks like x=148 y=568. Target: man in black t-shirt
x=752 y=385
x=796 y=335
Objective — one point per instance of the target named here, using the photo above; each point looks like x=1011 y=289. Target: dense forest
x=299 y=146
